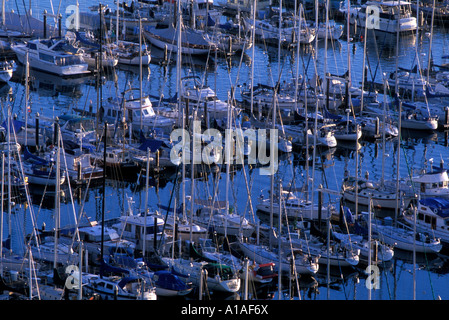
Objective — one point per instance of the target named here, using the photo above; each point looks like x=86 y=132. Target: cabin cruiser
x=53 y=56
x=387 y=12
x=431 y=216
x=203 y=99
x=137 y=113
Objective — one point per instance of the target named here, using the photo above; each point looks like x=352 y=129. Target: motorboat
x=402 y=236
x=53 y=56
x=136 y=112
x=146 y=230
x=430 y=216
x=427 y=183
x=389 y=16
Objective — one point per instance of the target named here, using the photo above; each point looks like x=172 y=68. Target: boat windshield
x=68 y=60
x=159 y=229
x=83 y=125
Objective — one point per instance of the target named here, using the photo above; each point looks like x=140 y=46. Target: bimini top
x=439 y=206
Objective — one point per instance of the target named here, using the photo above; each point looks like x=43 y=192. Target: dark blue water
x=51 y=97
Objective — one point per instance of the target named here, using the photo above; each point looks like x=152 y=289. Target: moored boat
x=52 y=56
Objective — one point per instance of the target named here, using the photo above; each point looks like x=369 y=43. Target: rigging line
x=282 y=204
x=429 y=274
x=338 y=260
x=67 y=176
x=27 y=193
x=169 y=204
x=373 y=75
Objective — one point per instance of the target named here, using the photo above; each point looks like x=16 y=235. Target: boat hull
x=47 y=67
x=171 y=45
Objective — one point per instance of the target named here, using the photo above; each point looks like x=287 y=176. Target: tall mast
x=105 y=136
x=57 y=199
x=3 y=12
x=117 y=22
x=27 y=94
x=430 y=43
x=140 y=69
x=253 y=39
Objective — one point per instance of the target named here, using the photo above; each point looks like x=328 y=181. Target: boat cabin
x=137 y=228
x=434 y=213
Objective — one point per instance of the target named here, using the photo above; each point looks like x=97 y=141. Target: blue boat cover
x=122 y=283
x=152 y=144
x=169 y=280
x=34 y=159
x=438 y=205
x=107 y=268
x=16 y=124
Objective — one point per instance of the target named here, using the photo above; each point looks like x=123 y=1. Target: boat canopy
x=213 y=269
x=167 y=279
x=439 y=206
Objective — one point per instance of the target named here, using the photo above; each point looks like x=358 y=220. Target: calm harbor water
x=50 y=96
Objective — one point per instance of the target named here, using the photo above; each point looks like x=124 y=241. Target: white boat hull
x=135 y=61
x=36 y=63
x=5 y=75
x=261 y=255
x=194 y=269
x=293 y=212
x=172 y=45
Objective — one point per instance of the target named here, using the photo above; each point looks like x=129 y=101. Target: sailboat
x=402 y=236
x=380 y=252
x=381 y=197
x=269 y=30
x=303 y=262
x=39 y=170
x=258 y=273
x=294 y=206
x=213 y=215
x=126 y=288
x=335 y=255
x=219 y=277
x=393 y=16
x=192 y=41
